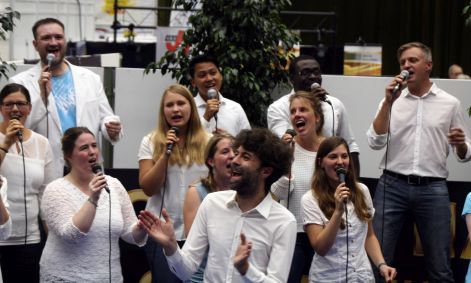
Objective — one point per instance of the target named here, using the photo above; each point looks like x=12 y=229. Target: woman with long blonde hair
x=171 y=158
x=337 y=214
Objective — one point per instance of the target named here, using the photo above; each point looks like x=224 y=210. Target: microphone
x=49 y=59
x=19 y=134
x=404 y=75
x=170 y=146
x=96 y=168
x=213 y=94
x=291 y=132
x=323 y=98
x=341 y=172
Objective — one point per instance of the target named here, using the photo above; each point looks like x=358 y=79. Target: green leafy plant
x=467 y=14
x=7 y=23
x=250 y=42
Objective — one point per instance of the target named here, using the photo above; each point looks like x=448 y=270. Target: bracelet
x=381 y=264
x=92 y=202
x=6 y=151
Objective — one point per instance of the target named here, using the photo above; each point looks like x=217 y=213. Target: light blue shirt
x=467 y=210
x=64 y=94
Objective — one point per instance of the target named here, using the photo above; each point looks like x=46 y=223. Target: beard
x=246 y=185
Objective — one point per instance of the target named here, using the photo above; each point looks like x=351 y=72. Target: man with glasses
x=304 y=72
x=64 y=95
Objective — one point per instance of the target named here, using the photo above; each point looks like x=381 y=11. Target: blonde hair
x=196 y=137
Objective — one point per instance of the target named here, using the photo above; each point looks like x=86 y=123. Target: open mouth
x=300 y=124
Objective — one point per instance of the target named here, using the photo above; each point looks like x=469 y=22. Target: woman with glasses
x=26 y=162
x=171 y=158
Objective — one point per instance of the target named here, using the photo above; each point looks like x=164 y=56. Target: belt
x=413 y=179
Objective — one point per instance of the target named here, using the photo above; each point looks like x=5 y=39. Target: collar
x=434 y=90
x=199 y=101
x=263 y=208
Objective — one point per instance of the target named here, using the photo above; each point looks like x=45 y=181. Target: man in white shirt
x=250 y=236
x=304 y=71
x=216 y=113
x=63 y=95
x=423 y=124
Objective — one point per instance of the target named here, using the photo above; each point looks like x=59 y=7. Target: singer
x=218 y=156
x=307 y=119
x=305 y=71
x=205 y=75
x=425 y=123
x=166 y=177
x=27 y=178
x=249 y=236
x=64 y=95
x=342 y=243
x=77 y=213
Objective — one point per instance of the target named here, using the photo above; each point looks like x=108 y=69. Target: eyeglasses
x=21 y=105
x=308 y=72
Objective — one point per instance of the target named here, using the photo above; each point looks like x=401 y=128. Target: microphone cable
x=24 y=189
x=109 y=233
x=333 y=115
x=346 y=230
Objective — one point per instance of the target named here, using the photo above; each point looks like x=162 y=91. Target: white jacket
x=92 y=107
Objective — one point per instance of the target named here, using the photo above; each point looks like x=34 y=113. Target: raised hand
x=161 y=231
x=241 y=257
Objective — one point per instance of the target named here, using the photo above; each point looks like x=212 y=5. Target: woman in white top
x=27 y=163
x=5 y=219
x=338 y=217
x=171 y=158
x=86 y=215
x=307 y=120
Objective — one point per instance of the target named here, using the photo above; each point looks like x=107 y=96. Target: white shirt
x=217 y=226
x=71 y=255
x=231 y=116
x=40 y=170
x=278 y=119
x=419 y=127
x=178 y=180
x=331 y=267
x=5 y=228
x=301 y=172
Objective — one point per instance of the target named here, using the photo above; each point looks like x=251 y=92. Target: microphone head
x=212 y=93
x=96 y=168
x=314 y=86
x=50 y=57
x=291 y=132
x=341 y=172
x=404 y=75
x=176 y=130
x=15 y=116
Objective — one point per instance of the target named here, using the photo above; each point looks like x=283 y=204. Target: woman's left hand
x=388 y=272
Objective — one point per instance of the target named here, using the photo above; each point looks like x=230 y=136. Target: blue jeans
x=161 y=273
x=429 y=206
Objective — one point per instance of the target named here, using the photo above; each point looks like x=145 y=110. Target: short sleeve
x=146 y=149
x=310 y=210
x=467 y=205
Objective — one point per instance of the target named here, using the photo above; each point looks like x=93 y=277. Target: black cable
x=109 y=235
x=24 y=190
x=333 y=115
x=346 y=227
x=388 y=136
x=290 y=175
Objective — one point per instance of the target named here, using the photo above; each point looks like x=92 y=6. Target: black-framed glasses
x=21 y=105
x=308 y=72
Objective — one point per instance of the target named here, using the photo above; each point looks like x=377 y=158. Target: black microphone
x=170 y=145
x=323 y=98
x=213 y=94
x=404 y=75
x=341 y=172
x=49 y=59
x=19 y=134
x=96 y=169
x=291 y=132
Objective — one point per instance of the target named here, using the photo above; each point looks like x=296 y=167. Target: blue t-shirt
x=467 y=210
x=64 y=94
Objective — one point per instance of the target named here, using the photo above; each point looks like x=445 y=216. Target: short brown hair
x=69 y=138
x=45 y=22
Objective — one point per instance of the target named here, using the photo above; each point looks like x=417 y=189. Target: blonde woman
x=171 y=158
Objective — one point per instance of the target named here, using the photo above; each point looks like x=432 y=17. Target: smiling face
x=177 y=110
x=303 y=117
x=246 y=172
x=419 y=67
x=206 y=76
x=16 y=105
x=336 y=158
x=220 y=163
x=307 y=72
x=84 y=154
x=50 y=38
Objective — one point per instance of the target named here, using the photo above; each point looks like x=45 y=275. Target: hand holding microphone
x=289 y=135
x=17 y=126
x=342 y=193
x=99 y=182
x=46 y=76
x=212 y=107
x=403 y=76
x=171 y=139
